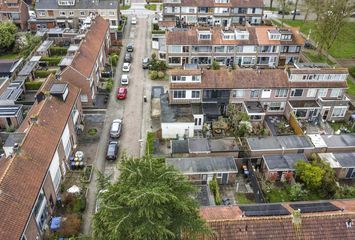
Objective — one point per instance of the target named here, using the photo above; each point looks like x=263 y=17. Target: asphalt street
x=131 y=110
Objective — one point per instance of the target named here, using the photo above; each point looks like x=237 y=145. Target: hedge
x=149 y=148
x=352 y=71
x=35 y=85
x=52 y=61
x=58 y=51
x=43 y=73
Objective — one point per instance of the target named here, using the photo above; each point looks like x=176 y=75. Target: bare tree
x=330 y=22
x=295 y=11
x=284 y=8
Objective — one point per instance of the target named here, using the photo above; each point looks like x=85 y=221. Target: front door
x=325 y=114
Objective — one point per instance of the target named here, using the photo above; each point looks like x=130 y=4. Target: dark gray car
x=145 y=63
x=129 y=47
x=128 y=57
x=112 y=150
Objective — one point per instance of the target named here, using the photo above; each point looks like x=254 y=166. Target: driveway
x=130 y=110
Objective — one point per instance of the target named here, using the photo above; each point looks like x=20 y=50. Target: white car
x=116 y=128
x=126 y=67
x=134 y=21
x=124 y=79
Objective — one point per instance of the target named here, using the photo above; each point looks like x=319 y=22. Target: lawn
x=351 y=89
x=337 y=125
x=344 y=45
x=313 y=56
x=277 y=194
x=152 y=7
x=243 y=198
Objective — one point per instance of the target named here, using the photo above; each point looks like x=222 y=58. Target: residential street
x=132 y=110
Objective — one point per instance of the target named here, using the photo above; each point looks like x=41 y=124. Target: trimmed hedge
x=352 y=71
x=58 y=51
x=35 y=85
x=52 y=61
x=43 y=73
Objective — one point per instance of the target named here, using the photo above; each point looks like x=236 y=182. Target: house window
x=84 y=98
x=175 y=60
x=42 y=13
x=276 y=106
x=62 y=13
x=296 y=92
x=113 y=23
x=311 y=92
x=195 y=94
x=195 y=78
x=238 y=93
x=179 y=94
x=111 y=13
x=56 y=179
x=339 y=111
x=175 y=49
x=254 y=93
x=322 y=92
x=281 y=93
x=82 y=13
x=219 y=175
x=71 y=13
x=335 y=92
x=266 y=93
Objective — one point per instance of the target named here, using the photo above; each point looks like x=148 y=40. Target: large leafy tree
x=310 y=173
x=149 y=201
x=7 y=34
x=330 y=21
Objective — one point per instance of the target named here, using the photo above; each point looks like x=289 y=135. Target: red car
x=121 y=93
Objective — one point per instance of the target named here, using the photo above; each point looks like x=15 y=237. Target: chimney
x=296 y=219
x=349 y=223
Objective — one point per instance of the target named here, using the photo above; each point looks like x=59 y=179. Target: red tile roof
x=258 y=35
x=85 y=59
x=228 y=224
x=23 y=176
x=247 y=79
x=211 y=3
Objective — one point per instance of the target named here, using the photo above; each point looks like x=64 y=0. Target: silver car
x=116 y=128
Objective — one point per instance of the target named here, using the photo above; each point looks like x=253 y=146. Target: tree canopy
x=149 y=201
x=7 y=34
x=310 y=174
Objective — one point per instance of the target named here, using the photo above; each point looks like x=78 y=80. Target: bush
x=52 y=61
x=153 y=75
x=58 y=51
x=79 y=205
x=161 y=75
x=157 y=65
x=70 y=225
x=109 y=85
x=345 y=192
x=43 y=73
x=352 y=71
x=150 y=143
x=297 y=193
x=155 y=26
x=214 y=187
x=113 y=59
x=35 y=85
x=154 y=56
x=215 y=65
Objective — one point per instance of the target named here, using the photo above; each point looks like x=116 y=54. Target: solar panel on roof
x=264 y=210
x=314 y=207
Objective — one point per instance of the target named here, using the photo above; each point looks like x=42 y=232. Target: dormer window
x=274 y=35
x=228 y=35
x=241 y=34
x=221 y=1
x=66 y=2
x=204 y=35
x=286 y=37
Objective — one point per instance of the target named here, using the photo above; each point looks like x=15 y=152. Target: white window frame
x=266 y=93
x=312 y=92
x=281 y=93
x=62 y=13
x=193 y=92
x=336 y=92
x=322 y=92
x=238 y=93
x=342 y=112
